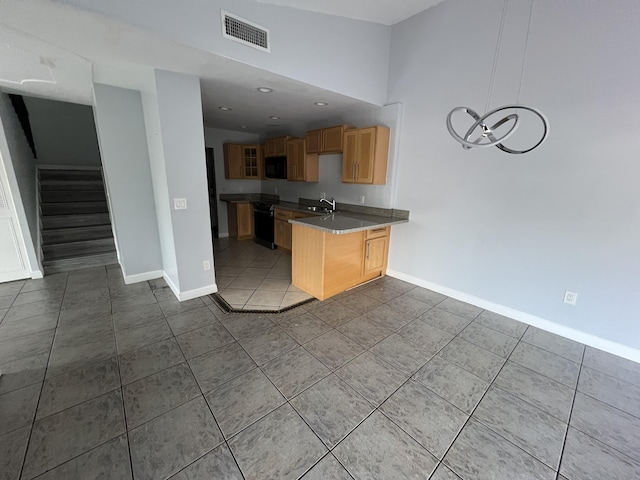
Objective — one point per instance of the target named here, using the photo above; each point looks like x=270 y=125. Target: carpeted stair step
x=66 y=185
x=80 y=220
x=71 y=208
x=59 y=196
x=69 y=175
x=78 y=234
x=77 y=249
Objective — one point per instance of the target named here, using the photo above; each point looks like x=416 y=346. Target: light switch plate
x=180 y=203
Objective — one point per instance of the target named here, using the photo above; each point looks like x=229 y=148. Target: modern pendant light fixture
x=511 y=121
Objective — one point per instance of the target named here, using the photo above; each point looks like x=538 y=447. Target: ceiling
x=386 y=12
x=32 y=32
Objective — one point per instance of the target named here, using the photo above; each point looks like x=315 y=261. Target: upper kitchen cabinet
x=301 y=166
x=326 y=140
x=365 y=154
x=242 y=161
x=277 y=147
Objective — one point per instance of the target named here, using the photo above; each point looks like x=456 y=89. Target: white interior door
x=13 y=263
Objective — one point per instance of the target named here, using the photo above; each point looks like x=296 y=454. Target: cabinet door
x=250 y=154
x=245 y=220
x=233 y=161
x=313 y=141
x=349 y=156
x=366 y=149
x=292 y=161
x=278 y=232
x=270 y=147
x=375 y=255
x=282 y=234
x=280 y=145
x=332 y=139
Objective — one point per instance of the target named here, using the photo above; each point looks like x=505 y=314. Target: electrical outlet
x=323 y=195
x=206 y=265
x=180 y=203
x=362 y=199
x=570 y=297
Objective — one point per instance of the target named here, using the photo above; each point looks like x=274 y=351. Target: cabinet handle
x=368 y=248
x=357 y=170
x=353 y=171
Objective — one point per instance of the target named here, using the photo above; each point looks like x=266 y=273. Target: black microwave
x=275 y=167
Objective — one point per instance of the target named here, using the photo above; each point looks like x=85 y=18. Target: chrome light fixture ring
x=488 y=132
x=479 y=122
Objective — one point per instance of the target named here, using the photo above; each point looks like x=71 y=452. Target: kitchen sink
x=314 y=208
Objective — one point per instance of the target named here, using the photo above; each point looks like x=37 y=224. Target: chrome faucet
x=331 y=202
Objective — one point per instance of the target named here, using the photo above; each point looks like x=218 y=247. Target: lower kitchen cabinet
x=240 y=218
x=282 y=233
x=376 y=250
x=325 y=264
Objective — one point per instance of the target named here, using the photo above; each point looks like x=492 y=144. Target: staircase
x=74 y=220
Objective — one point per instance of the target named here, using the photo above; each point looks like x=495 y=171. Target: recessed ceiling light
x=264 y=89
x=274 y=117
x=321 y=104
x=243 y=126
x=224 y=109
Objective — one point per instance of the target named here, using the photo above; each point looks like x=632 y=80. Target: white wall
x=159 y=176
x=180 y=115
x=339 y=54
x=216 y=138
x=520 y=230
x=63 y=133
x=20 y=168
x=125 y=157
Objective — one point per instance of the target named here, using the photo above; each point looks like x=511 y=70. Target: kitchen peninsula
x=332 y=253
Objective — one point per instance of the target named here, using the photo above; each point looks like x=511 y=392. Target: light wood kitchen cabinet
x=282 y=233
x=242 y=161
x=233 y=164
x=365 y=155
x=240 y=218
x=277 y=147
x=326 y=140
x=376 y=248
x=325 y=264
x=301 y=167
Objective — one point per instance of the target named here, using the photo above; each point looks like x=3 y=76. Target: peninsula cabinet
x=365 y=154
x=301 y=167
x=282 y=232
x=242 y=161
x=325 y=264
x=277 y=147
x=326 y=140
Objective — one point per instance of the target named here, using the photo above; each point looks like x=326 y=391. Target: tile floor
x=387 y=381
x=252 y=277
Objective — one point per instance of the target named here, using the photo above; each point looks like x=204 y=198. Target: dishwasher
x=263 y=224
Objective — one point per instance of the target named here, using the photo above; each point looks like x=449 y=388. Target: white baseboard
x=553 y=327
x=37 y=274
x=142 y=277
x=223 y=234
x=198 y=292
x=190 y=294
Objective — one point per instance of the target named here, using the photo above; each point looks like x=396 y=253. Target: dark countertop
x=347 y=222
x=346 y=218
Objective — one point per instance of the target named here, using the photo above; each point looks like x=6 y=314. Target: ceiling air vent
x=246 y=32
